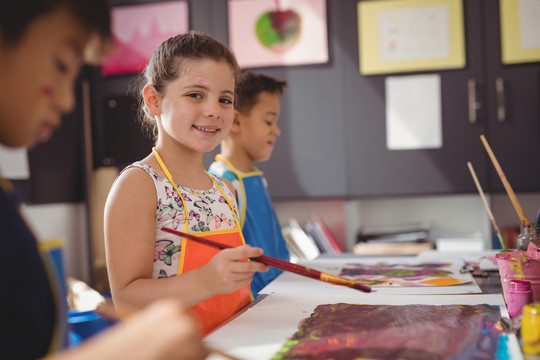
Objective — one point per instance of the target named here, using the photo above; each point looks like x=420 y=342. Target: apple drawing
x=278 y=30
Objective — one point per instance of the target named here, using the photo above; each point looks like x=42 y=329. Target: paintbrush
x=509 y=190
x=280 y=264
x=513 y=198
x=490 y=214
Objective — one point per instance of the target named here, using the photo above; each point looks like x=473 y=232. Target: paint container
x=519 y=295
x=84 y=324
x=530 y=329
x=520 y=265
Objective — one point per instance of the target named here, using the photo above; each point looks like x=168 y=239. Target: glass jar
x=519 y=294
x=524 y=238
x=530 y=328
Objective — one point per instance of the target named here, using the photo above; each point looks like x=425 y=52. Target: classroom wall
x=449 y=214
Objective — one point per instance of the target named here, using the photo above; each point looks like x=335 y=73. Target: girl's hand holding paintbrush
x=225 y=273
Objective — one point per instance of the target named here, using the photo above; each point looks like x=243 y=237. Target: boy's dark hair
x=166 y=66
x=17 y=15
x=250 y=85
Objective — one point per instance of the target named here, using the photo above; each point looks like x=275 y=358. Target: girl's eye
x=225 y=101
x=195 y=96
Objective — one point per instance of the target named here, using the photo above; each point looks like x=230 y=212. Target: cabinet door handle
x=473 y=104
x=501 y=110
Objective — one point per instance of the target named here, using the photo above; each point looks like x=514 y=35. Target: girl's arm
x=129 y=242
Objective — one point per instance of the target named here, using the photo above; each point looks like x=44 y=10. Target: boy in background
x=252 y=138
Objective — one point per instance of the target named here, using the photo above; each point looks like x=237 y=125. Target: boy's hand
x=229 y=271
x=161 y=331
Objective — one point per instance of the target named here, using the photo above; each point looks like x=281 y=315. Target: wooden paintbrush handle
x=279 y=264
x=511 y=194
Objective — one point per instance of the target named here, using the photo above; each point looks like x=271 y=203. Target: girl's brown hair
x=166 y=66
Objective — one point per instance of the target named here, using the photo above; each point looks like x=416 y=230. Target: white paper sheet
x=414 y=33
x=289 y=283
x=487 y=262
x=14 y=163
x=529 y=26
x=413 y=112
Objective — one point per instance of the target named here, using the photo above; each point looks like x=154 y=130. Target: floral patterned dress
x=207 y=210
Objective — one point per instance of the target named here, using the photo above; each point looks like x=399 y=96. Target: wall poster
x=138 y=30
x=410 y=35
x=278 y=32
x=520 y=27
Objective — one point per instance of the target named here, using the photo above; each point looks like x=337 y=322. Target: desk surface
x=262 y=329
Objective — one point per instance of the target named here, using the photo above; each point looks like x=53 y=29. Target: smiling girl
x=188 y=96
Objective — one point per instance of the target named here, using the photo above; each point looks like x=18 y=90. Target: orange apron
x=212 y=312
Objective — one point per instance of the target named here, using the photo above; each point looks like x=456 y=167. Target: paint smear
x=517 y=265
x=202 y=80
x=351 y=331
x=446 y=281
x=405 y=274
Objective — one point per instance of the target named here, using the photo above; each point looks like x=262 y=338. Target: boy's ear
x=151 y=99
x=236 y=122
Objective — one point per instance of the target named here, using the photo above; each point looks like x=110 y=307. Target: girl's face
x=196 y=109
x=37 y=75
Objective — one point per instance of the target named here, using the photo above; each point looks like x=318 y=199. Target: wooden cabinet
x=375 y=170
x=333 y=121
x=514 y=137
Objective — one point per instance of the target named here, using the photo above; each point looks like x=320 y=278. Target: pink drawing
x=138 y=30
x=278 y=32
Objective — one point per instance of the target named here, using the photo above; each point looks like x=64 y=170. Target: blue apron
x=260 y=224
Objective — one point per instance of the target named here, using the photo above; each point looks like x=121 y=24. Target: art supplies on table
x=458 y=284
x=357 y=331
x=263 y=329
x=406 y=273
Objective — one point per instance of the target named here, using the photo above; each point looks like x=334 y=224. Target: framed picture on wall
x=138 y=30
x=266 y=33
x=520 y=29
x=410 y=35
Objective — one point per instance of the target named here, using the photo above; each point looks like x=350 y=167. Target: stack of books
x=408 y=239
x=309 y=243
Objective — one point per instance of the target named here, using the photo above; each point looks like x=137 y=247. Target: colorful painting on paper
x=351 y=331
x=278 y=32
x=406 y=274
x=138 y=30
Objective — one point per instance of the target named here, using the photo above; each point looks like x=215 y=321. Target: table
x=263 y=327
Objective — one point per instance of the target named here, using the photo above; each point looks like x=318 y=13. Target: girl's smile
x=207 y=130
